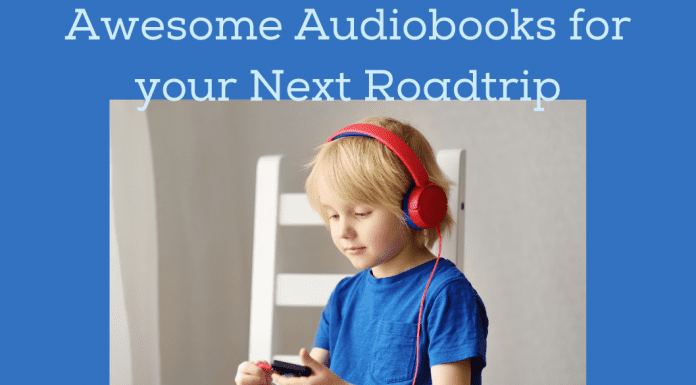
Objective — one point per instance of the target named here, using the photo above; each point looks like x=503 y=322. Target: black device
x=288 y=368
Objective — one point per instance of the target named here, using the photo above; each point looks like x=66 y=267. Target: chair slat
x=305 y=289
x=295 y=210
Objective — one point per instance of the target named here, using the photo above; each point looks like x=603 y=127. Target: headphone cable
x=420 y=312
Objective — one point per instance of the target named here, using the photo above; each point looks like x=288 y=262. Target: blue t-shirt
x=369 y=325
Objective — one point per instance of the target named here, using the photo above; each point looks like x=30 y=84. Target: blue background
x=54 y=156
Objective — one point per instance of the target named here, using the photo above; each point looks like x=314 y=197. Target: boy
x=372 y=331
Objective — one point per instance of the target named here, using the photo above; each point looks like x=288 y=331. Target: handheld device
x=286 y=368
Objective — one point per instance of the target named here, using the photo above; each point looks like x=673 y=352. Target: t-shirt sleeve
x=321 y=339
x=457 y=325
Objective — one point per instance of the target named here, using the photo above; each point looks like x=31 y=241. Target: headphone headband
x=394 y=143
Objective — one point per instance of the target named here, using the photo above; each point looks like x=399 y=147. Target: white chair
x=275 y=210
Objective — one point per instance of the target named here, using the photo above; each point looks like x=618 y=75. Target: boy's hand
x=250 y=374
x=321 y=375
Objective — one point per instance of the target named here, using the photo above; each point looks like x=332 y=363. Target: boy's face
x=369 y=236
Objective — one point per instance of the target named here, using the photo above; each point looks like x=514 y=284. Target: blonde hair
x=362 y=170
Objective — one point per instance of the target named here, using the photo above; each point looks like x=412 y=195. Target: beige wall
x=525 y=225
x=135 y=258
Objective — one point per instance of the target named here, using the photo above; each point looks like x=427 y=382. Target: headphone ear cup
x=425 y=207
x=404 y=207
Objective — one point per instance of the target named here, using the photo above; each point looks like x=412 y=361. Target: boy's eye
x=362 y=215
x=335 y=216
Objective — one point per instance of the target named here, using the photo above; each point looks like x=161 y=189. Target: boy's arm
x=320 y=355
x=458 y=372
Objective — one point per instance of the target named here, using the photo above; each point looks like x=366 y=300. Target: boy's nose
x=346 y=230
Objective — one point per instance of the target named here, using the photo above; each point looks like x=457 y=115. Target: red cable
x=420 y=312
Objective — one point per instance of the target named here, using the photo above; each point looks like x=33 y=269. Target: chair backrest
x=275 y=210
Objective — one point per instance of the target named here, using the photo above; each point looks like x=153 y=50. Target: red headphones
x=425 y=204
